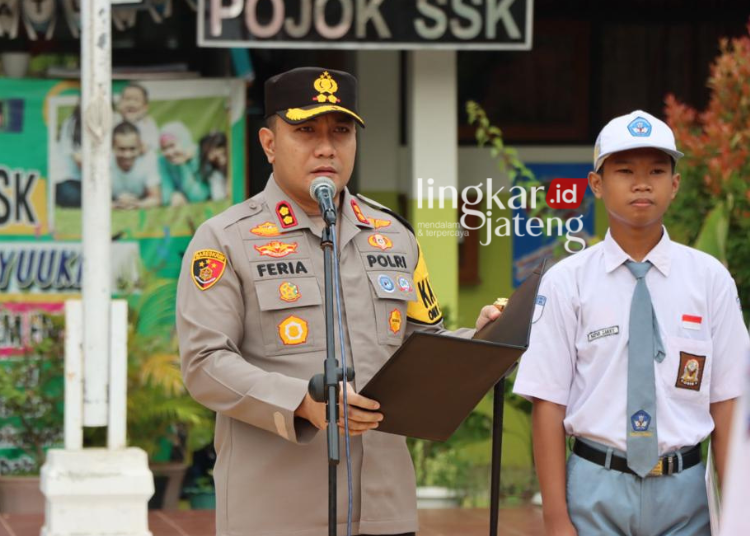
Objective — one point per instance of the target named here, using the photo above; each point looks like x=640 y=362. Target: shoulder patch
x=426 y=309
x=384 y=223
x=207 y=268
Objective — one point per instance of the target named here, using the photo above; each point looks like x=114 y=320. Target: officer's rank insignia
x=326 y=86
x=394 y=321
x=277 y=249
x=286 y=215
x=404 y=284
x=690 y=373
x=379 y=241
x=266 y=229
x=358 y=213
x=293 y=331
x=208 y=267
x=640 y=127
x=386 y=283
x=640 y=421
x=426 y=309
x=379 y=224
x=289 y=292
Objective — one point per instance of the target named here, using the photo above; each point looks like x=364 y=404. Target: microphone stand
x=325 y=387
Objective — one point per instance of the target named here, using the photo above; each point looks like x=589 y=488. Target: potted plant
x=202 y=494
x=31 y=400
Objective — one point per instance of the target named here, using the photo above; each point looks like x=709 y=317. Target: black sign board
x=367 y=24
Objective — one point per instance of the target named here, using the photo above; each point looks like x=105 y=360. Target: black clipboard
x=432 y=382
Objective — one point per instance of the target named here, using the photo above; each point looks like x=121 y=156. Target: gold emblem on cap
x=326 y=84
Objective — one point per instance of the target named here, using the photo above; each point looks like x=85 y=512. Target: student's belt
x=667 y=465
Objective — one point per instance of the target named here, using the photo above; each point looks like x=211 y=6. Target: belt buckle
x=658 y=469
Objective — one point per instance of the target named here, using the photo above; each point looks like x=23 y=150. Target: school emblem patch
x=289 y=292
x=286 y=215
x=394 y=321
x=640 y=128
x=690 y=373
x=293 y=331
x=266 y=229
x=640 y=421
x=208 y=267
x=379 y=241
x=541 y=301
x=379 y=224
x=277 y=249
x=358 y=213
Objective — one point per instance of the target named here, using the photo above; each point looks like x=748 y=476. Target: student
x=133 y=108
x=135 y=177
x=637 y=351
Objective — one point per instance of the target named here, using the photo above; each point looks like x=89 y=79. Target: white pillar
x=433 y=140
x=380 y=106
x=96 y=70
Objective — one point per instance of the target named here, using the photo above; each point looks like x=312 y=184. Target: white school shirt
x=578 y=352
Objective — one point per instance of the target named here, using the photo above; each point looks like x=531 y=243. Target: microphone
x=323 y=189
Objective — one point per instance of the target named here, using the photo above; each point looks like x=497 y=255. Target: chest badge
x=208 y=267
x=379 y=224
x=266 y=229
x=690 y=373
x=286 y=215
x=289 y=292
x=404 y=284
x=380 y=241
x=293 y=331
x=386 y=283
x=394 y=321
x=277 y=249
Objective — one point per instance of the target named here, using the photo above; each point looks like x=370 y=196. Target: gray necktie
x=644 y=345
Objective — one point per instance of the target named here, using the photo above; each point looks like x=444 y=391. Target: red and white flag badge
x=208 y=267
x=692 y=322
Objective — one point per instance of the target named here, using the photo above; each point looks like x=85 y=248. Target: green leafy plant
x=712 y=209
x=31 y=394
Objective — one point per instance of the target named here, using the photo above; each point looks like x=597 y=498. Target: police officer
x=251 y=325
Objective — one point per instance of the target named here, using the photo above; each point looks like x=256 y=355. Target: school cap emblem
x=208 y=267
x=640 y=127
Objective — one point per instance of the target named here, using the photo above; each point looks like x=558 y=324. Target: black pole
x=497 y=453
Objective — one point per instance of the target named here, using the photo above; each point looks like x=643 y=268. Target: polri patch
x=208 y=267
x=277 y=249
x=286 y=215
x=690 y=373
x=605 y=332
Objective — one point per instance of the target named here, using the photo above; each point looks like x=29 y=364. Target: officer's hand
x=487 y=314
x=362 y=414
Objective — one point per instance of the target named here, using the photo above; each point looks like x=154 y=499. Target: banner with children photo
x=174 y=157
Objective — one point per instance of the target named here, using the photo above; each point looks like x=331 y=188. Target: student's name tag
x=606 y=332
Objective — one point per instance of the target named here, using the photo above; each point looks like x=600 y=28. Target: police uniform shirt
x=251 y=326
x=578 y=353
